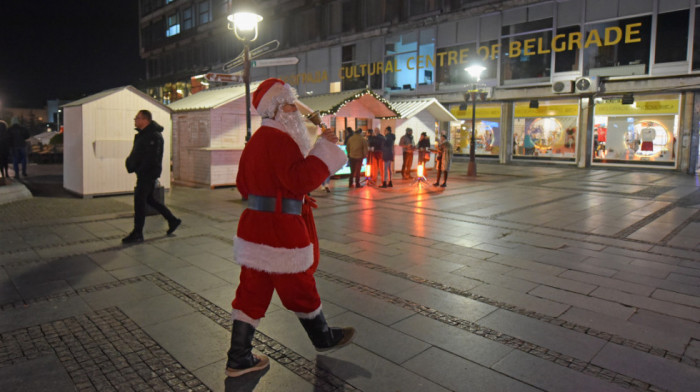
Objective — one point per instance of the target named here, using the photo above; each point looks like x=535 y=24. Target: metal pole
x=471 y=169
x=246 y=79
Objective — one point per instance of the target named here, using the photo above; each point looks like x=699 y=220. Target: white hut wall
x=191 y=159
x=73 y=149
x=108 y=133
x=421 y=122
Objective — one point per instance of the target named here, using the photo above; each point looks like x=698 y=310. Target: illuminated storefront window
x=644 y=132
x=487 y=134
x=546 y=132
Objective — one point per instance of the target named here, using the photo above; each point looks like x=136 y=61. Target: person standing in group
x=357 y=149
x=443 y=159
x=423 y=148
x=388 y=157
x=276 y=243
x=377 y=161
x=407 y=144
x=4 y=150
x=18 y=136
x=145 y=160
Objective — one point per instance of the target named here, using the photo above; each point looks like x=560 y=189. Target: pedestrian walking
x=388 y=157
x=145 y=160
x=276 y=242
x=407 y=145
x=443 y=160
x=18 y=144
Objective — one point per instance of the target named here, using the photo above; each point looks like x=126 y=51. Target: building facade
x=578 y=82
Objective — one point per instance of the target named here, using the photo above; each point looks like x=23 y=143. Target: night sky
x=66 y=49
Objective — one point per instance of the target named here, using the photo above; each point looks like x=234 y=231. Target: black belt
x=267 y=204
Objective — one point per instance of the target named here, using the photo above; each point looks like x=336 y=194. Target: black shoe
x=132 y=238
x=383 y=185
x=350 y=186
x=443 y=185
x=358 y=186
x=241 y=360
x=324 y=337
x=436 y=184
x=172 y=226
x=391 y=185
x=327 y=189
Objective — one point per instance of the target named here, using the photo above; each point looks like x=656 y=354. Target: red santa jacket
x=272 y=165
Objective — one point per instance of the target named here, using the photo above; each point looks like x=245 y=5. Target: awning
x=412 y=106
x=212 y=98
x=333 y=104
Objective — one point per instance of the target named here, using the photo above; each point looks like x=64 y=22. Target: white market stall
x=421 y=115
x=98 y=136
x=363 y=109
x=209 y=130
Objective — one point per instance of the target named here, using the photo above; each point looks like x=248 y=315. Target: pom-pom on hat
x=270 y=94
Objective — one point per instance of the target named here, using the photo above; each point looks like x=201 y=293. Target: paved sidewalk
x=526 y=278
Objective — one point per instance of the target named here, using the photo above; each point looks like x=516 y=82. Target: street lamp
x=475 y=72
x=245 y=26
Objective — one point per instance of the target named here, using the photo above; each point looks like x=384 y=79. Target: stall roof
x=212 y=98
x=410 y=107
x=330 y=104
x=105 y=93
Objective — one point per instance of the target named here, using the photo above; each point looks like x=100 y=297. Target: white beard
x=294 y=126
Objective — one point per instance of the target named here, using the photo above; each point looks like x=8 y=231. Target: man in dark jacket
x=145 y=160
x=18 y=136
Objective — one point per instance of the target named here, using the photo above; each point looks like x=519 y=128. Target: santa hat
x=270 y=94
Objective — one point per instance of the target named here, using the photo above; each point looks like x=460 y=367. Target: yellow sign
x=665 y=106
x=482 y=111
x=523 y=110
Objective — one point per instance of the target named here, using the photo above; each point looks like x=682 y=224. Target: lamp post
x=245 y=26
x=475 y=72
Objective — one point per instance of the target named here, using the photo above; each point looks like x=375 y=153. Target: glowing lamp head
x=368 y=171
x=245 y=21
x=419 y=171
x=475 y=71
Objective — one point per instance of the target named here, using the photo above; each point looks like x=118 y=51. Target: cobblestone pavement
x=525 y=278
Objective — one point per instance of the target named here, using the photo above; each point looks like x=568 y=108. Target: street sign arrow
x=274 y=62
x=257 y=52
x=226 y=78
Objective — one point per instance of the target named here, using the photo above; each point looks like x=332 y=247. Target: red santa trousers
x=297 y=292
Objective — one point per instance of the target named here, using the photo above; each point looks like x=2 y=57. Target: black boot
x=444 y=182
x=324 y=337
x=383 y=185
x=390 y=184
x=133 y=237
x=438 y=179
x=241 y=360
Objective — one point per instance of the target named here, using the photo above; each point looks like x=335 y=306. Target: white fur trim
x=240 y=316
x=270 y=259
x=330 y=154
x=309 y=315
x=276 y=95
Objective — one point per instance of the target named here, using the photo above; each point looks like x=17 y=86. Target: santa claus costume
x=276 y=243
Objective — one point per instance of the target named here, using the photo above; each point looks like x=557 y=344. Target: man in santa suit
x=276 y=243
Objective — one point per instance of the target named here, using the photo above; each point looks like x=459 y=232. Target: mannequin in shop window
x=648 y=136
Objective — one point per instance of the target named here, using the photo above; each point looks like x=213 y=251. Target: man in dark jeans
x=145 y=160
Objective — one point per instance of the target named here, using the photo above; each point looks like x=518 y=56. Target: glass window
x=173 y=26
x=672 y=37
x=351 y=76
x=419 y=7
x=524 y=27
x=642 y=133
x=424 y=63
x=547 y=132
x=487 y=134
x=565 y=58
x=527 y=57
x=204 y=14
x=450 y=63
x=623 y=44
x=696 y=41
x=400 y=63
x=402 y=43
x=187 y=18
